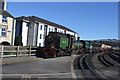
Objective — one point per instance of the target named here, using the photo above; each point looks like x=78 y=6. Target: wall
x=41 y=32
x=31 y=34
x=60 y=30
x=17 y=28
x=10 y=27
x=76 y=36
x=13 y=32
x=35 y=34
x=0 y=24
x=49 y=26
x=24 y=33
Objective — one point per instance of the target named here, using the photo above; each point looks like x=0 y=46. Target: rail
x=103 y=60
x=114 y=56
x=87 y=60
x=82 y=67
x=16 y=51
x=87 y=69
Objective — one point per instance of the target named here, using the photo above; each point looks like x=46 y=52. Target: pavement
x=10 y=60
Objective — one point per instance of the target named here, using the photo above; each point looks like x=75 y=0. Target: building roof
x=34 y=18
x=6 y=13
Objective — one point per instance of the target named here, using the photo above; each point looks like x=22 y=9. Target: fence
x=8 y=51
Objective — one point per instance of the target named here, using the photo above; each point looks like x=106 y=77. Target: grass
x=10 y=53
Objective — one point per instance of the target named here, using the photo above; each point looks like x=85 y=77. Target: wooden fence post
x=29 y=51
x=2 y=50
x=17 y=51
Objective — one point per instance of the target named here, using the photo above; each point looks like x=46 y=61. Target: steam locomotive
x=57 y=44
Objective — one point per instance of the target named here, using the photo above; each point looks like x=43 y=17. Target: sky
x=91 y=20
x=62 y=0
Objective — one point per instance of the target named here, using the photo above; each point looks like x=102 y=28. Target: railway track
x=109 y=60
x=87 y=69
x=117 y=53
x=111 y=63
x=108 y=69
x=114 y=56
x=104 y=60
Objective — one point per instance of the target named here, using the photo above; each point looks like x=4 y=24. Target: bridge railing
x=9 y=51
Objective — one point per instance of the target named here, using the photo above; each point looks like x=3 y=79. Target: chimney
x=3 y=5
x=78 y=38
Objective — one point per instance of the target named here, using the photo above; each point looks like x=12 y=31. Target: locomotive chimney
x=78 y=38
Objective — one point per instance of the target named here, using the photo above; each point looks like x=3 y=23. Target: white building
x=7 y=25
x=33 y=30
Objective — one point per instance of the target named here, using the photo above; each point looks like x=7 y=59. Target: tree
x=18 y=41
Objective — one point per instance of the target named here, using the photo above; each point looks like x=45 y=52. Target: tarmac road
x=46 y=68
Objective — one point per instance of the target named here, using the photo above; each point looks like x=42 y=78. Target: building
x=33 y=30
x=7 y=25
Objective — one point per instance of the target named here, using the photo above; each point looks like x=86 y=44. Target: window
x=39 y=44
x=52 y=29
x=43 y=44
x=44 y=28
x=58 y=30
x=40 y=36
x=55 y=29
x=3 y=5
x=65 y=32
x=43 y=36
x=41 y=27
x=3 y=32
x=49 y=29
x=4 y=19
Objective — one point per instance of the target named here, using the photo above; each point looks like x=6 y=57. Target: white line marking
x=72 y=69
x=26 y=76
x=34 y=74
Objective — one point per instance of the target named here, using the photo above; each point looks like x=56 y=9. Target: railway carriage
x=83 y=46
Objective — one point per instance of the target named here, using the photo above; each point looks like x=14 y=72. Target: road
x=60 y=67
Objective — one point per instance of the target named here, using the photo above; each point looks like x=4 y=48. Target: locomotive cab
x=62 y=43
